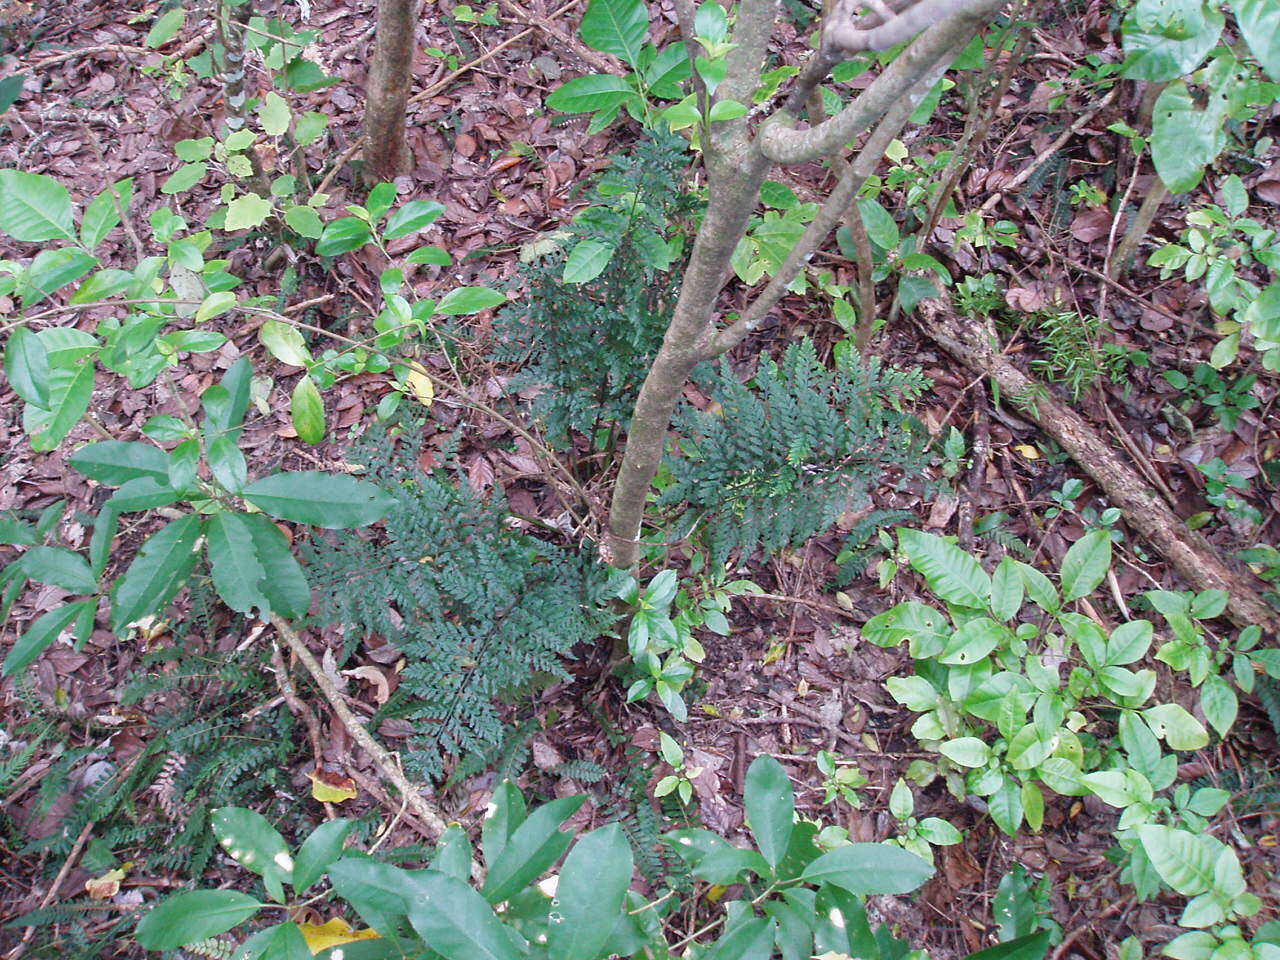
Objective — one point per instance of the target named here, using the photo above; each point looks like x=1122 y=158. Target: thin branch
x=834 y=207
x=901 y=80
x=845 y=35
x=382 y=759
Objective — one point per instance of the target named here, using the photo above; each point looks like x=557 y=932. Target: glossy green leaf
x=328 y=500
x=162 y=31
x=506 y=813
x=225 y=403
x=411 y=217
x=1184 y=861
x=247 y=212
x=587 y=260
x=187 y=917
x=284 y=584
x=531 y=849
x=318 y=851
x=456 y=922
x=237 y=574
x=453 y=853
x=1033 y=946
x=950 y=572
x=1219 y=703
x=377 y=891
x=249 y=839
x=103 y=285
x=26 y=366
x=102 y=215
x=593 y=883
x=60 y=567
x=617 y=27
x=1176 y=727
x=51 y=270
x=343 y=235
x=1086 y=564
x=1005 y=807
x=1006 y=590
x=285 y=342
x=215 y=305
x=35 y=208
x=114 y=462
x=306 y=409
x=771 y=807
x=44 y=631
x=1186 y=137
x=596 y=91
x=468 y=300
x=869 y=868
x=1259 y=23
x=1165 y=39
x=160 y=569
x=966 y=751
x=973 y=641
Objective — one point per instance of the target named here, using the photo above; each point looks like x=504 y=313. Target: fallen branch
x=382 y=759
x=1190 y=554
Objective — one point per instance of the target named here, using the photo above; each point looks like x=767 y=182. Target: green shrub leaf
x=35 y=208
x=1086 y=564
x=1184 y=861
x=869 y=868
x=158 y=571
x=950 y=572
x=328 y=500
x=26 y=365
x=60 y=567
x=411 y=217
x=617 y=27
x=593 y=883
x=531 y=849
x=343 y=235
x=114 y=463
x=176 y=921
x=46 y=629
x=306 y=409
x=318 y=851
x=771 y=807
x=596 y=91
x=456 y=922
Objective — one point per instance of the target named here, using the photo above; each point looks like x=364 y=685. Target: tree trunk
x=386 y=154
x=738 y=159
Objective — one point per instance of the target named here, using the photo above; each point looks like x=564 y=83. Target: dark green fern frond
x=789 y=452
x=479 y=608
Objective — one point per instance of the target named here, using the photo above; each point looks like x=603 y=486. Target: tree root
x=1189 y=553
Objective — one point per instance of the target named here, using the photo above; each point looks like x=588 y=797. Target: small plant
x=840 y=778
x=1022 y=907
x=919 y=836
x=680 y=780
x=796 y=898
x=1220 y=485
x=979 y=296
x=1228 y=399
x=1084 y=192
x=1073 y=356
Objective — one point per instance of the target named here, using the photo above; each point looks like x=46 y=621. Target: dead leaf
x=421 y=387
x=1091 y=225
x=376 y=677
x=1025 y=299
x=333 y=933
x=104 y=887
x=328 y=787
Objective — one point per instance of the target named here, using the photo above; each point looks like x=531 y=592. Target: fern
x=480 y=609
x=586 y=346
x=792 y=449
x=858 y=552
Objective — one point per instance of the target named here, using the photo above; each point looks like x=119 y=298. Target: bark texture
x=1195 y=559
x=386 y=153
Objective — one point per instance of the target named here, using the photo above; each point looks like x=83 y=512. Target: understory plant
x=1013 y=707
x=545 y=893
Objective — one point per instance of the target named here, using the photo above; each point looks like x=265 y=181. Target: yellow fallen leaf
x=331 y=788
x=333 y=933
x=104 y=887
x=421 y=387
x=1028 y=451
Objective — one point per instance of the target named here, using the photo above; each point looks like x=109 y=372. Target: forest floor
x=794 y=677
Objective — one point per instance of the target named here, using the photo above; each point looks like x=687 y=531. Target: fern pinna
x=785 y=454
x=479 y=608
